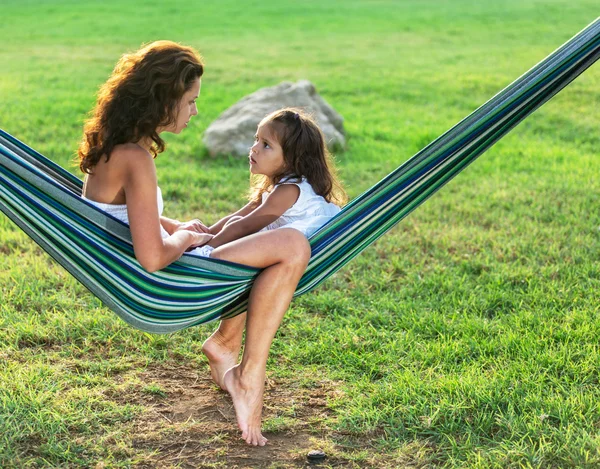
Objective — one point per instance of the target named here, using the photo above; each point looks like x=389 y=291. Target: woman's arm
x=171 y=226
x=281 y=199
x=151 y=250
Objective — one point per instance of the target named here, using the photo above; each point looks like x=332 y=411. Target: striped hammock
x=45 y=201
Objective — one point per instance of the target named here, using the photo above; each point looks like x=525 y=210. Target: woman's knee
x=298 y=247
x=285 y=246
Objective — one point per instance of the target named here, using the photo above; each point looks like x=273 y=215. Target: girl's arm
x=151 y=250
x=275 y=205
x=245 y=210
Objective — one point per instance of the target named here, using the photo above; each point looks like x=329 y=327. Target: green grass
x=466 y=337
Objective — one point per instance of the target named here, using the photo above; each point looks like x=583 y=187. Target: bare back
x=129 y=178
x=106 y=183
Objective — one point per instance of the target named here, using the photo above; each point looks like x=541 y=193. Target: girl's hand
x=193 y=225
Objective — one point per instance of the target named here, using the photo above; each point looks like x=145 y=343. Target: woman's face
x=186 y=108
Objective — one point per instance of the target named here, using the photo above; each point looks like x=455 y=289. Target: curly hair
x=141 y=95
x=305 y=155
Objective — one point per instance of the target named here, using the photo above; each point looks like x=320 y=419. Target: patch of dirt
x=189 y=422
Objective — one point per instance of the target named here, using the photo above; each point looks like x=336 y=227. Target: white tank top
x=308 y=214
x=119 y=211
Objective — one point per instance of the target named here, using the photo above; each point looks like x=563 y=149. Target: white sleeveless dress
x=119 y=211
x=308 y=214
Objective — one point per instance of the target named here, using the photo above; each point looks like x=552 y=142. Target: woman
x=152 y=91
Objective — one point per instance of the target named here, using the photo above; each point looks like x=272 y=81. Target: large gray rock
x=233 y=132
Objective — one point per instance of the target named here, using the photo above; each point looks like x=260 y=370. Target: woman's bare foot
x=221 y=356
x=247 y=395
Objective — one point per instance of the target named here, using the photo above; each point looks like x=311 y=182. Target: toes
x=255 y=438
x=252 y=436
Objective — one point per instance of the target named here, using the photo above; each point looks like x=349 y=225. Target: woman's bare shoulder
x=130 y=156
x=125 y=151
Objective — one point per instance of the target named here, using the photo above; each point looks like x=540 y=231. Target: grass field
x=466 y=337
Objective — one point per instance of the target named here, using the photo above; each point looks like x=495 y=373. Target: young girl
x=294 y=191
x=152 y=91
x=293 y=182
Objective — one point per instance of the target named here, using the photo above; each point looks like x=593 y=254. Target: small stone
x=233 y=132
x=316 y=455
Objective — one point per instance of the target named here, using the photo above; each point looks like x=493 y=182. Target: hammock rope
x=44 y=200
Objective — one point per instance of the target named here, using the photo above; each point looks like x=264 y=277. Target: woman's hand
x=200 y=239
x=193 y=225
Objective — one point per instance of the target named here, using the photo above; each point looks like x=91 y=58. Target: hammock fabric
x=45 y=201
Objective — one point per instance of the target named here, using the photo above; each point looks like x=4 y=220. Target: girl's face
x=186 y=108
x=266 y=155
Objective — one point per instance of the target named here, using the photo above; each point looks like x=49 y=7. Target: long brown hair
x=141 y=95
x=305 y=155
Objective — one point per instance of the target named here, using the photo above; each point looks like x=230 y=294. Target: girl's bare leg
x=284 y=255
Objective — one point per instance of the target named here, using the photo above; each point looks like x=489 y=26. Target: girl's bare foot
x=221 y=356
x=247 y=395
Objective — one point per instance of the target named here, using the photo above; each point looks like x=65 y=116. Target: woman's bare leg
x=222 y=348
x=284 y=255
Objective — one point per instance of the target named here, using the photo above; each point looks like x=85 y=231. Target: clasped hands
x=203 y=234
